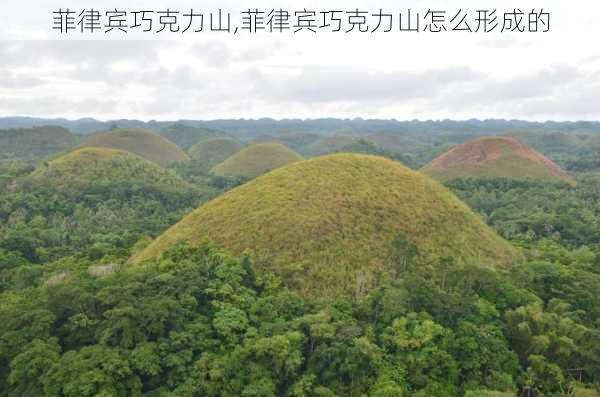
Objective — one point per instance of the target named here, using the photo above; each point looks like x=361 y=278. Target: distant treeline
x=459 y=130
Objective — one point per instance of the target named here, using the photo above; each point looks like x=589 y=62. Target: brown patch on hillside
x=493 y=148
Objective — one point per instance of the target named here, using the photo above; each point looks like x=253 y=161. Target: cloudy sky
x=457 y=75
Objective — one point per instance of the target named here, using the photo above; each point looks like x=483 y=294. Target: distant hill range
x=462 y=130
x=414 y=143
x=32 y=144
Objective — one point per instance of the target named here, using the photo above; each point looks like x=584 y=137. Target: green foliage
x=529 y=211
x=197 y=172
x=91 y=202
x=198 y=322
x=10 y=170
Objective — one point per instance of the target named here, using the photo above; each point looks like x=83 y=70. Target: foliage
x=198 y=322
x=92 y=202
x=11 y=169
x=528 y=211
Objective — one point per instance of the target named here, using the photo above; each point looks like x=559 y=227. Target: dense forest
x=78 y=319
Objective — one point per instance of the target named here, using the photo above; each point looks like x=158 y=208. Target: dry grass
x=256 y=160
x=93 y=169
x=495 y=157
x=215 y=150
x=144 y=143
x=327 y=224
x=329 y=144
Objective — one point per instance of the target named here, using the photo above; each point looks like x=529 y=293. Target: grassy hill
x=92 y=170
x=32 y=144
x=256 y=160
x=296 y=141
x=495 y=157
x=92 y=202
x=215 y=150
x=144 y=143
x=329 y=224
x=330 y=144
x=186 y=136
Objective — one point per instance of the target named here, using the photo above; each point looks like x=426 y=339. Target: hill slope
x=186 y=136
x=495 y=157
x=256 y=160
x=144 y=143
x=328 y=224
x=214 y=151
x=92 y=170
x=30 y=144
x=296 y=141
x=329 y=144
x=395 y=142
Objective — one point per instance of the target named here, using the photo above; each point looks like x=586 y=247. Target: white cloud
x=554 y=76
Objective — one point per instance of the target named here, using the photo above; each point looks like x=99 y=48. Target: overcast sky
x=455 y=75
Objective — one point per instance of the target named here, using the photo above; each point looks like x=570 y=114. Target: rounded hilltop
x=144 y=143
x=495 y=157
x=328 y=225
x=256 y=160
x=91 y=170
x=214 y=150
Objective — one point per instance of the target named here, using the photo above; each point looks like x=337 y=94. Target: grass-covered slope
x=31 y=144
x=329 y=224
x=256 y=160
x=214 y=151
x=144 y=143
x=185 y=136
x=495 y=157
x=329 y=144
x=92 y=170
x=296 y=141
